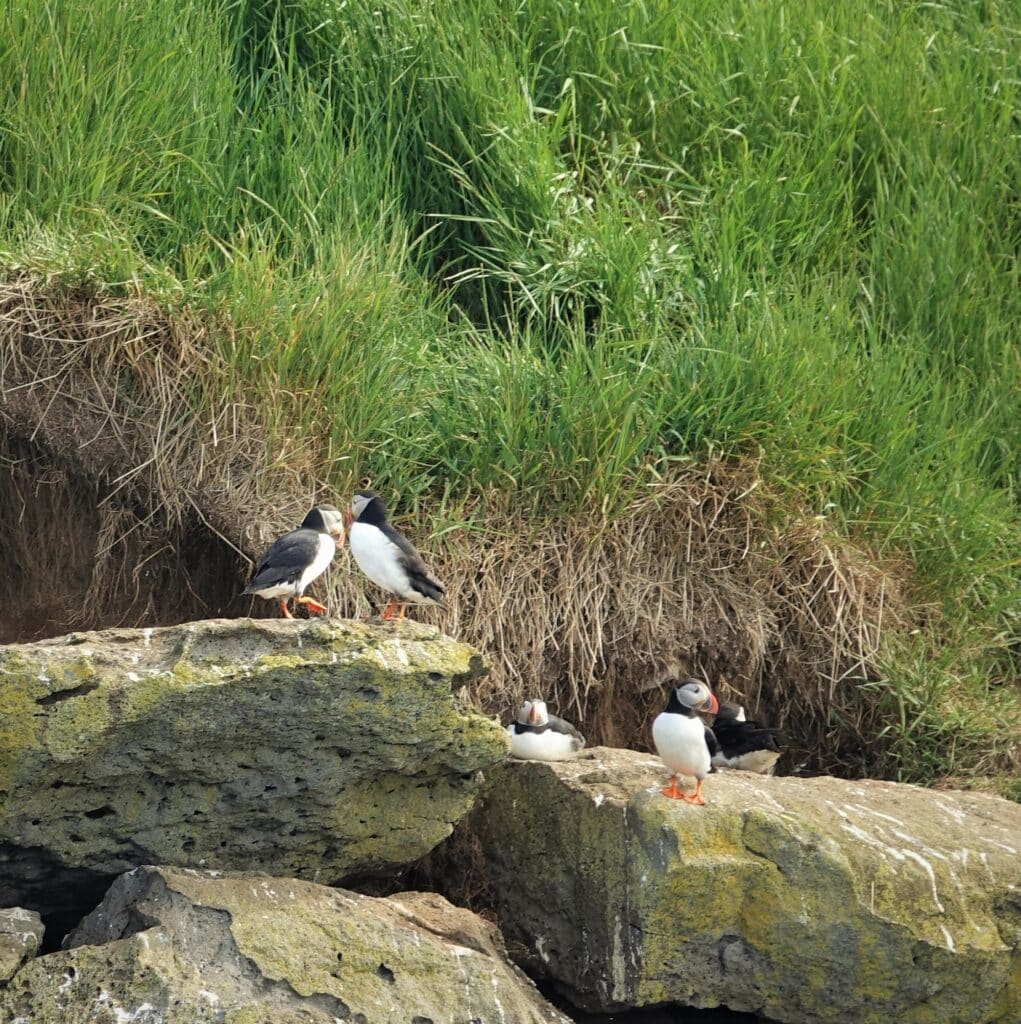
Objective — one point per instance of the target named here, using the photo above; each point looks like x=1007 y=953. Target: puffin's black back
x=736 y=738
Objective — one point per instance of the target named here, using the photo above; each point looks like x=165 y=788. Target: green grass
x=585 y=238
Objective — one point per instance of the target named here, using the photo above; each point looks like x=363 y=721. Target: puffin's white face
x=358 y=505
x=333 y=522
x=533 y=712
x=696 y=695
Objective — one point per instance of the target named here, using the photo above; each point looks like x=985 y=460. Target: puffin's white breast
x=324 y=555
x=380 y=560
x=680 y=742
x=542 y=746
x=761 y=761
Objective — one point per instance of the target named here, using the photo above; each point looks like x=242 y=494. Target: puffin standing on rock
x=743 y=744
x=389 y=559
x=294 y=560
x=682 y=740
x=537 y=735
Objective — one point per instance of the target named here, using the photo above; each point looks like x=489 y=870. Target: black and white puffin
x=536 y=735
x=682 y=739
x=389 y=559
x=743 y=744
x=294 y=560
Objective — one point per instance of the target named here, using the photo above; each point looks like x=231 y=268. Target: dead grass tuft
x=701 y=577
x=135 y=494
x=131 y=493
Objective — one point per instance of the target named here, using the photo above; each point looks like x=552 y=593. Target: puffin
x=682 y=739
x=294 y=560
x=743 y=744
x=536 y=735
x=389 y=559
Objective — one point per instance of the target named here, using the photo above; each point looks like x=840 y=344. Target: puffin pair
x=293 y=561
x=689 y=747
x=536 y=735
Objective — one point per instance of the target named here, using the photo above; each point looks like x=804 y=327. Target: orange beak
x=348 y=518
x=533 y=715
x=714 y=705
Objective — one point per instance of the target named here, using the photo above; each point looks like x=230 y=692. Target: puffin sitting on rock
x=294 y=560
x=743 y=744
x=682 y=739
x=388 y=558
x=537 y=735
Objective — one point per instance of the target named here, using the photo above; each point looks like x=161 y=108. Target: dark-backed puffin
x=537 y=735
x=294 y=560
x=682 y=739
x=389 y=559
x=743 y=744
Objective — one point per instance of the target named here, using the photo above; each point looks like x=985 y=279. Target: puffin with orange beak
x=536 y=735
x=388 y=558
x=682 y=739
x=297 y=558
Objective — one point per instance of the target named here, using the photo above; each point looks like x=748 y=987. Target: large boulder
x=21 y=932
x=172 y=946
x=327 y=750
x=805 y=900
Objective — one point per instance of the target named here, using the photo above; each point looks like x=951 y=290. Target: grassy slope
x=587 y=239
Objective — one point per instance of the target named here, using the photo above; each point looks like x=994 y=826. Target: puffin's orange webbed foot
x=673 y=790
x=285 y=611
x=388 y=612
x=313 y=606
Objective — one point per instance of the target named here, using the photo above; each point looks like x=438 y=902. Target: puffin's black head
x=325 y=519
x=691 y=695
x=366 y=507
x=733 y=712
x=533 y=712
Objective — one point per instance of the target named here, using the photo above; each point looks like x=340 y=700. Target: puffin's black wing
x=419 y=576
x=285 y=560
x=710 y=741
x=737 y=738
x=558 y=724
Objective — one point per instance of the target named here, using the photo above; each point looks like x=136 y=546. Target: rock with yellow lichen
x=804 y=900
x=172 y=946
x=320 y=749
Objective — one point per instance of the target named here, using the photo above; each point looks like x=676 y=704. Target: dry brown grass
x=134 y=493
x=700 y=577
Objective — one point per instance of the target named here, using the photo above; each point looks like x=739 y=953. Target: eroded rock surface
x=171 y=946
x=21 y=932
x=805 y=900
x=319 y=749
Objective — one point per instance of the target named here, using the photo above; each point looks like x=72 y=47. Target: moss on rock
x=187 y=947
x=322 y=749
x=801 y=899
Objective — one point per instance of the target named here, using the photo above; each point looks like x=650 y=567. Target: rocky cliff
x=326 y=750
x=805 y=900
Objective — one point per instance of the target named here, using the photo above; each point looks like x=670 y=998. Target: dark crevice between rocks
x=78 y=691
x=666 y=1014
x=34 y=878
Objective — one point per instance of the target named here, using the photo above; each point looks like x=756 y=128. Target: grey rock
x=170 y=946
x=325 y=749
x=804 y=900
x=21 y=932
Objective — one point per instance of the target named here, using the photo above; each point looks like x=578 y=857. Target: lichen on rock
x=171 y=946
x=21 y=932
x=319 y=749
x=800 y=899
